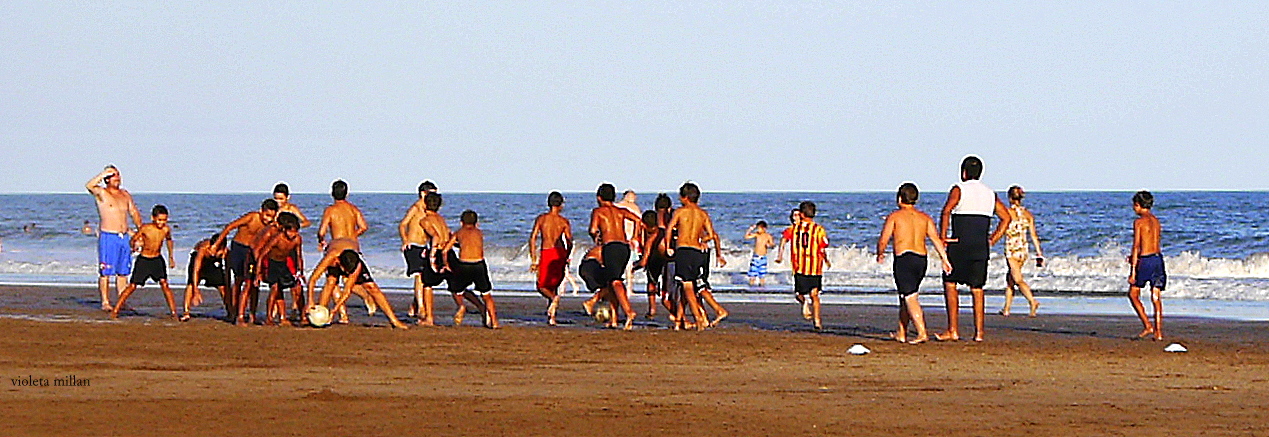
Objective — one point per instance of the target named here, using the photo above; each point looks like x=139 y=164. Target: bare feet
x=629 y=324
x=589 y=307
x=902 y=338
x=399 y=325
x=919 y=340
x=107 y=308
x=1033 y=308
x=197 y=298
x=978 y=337
x=947 y=336
x=806 y=309
x=425 y=322
x=242 y=321
x=458 y=316
x=550 y=310
x=721 y=316
x=185 y=317
x=1146 y=333
x=1004 y=313
x=114 y=313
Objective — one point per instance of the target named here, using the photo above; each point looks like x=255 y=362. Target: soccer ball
x=603 y=314
x=318 y=316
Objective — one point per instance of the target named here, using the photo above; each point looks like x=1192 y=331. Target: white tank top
x=976 y=199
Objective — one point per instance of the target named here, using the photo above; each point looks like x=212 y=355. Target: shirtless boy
x=807 y=254
x=281 y=256
x=343 y=260
x=342 y=219
x=909 y=228
x=282 y=194
x=695 y=230
x=239 y=258
x=970 y=205
x=114 y=253
x=206 y=266
x=469 y=269
x=1147 y=264
x=413 y=249
x=149 y=239
x=655 y=256
x=556 y=236
x=607 y=226
x=762 y=242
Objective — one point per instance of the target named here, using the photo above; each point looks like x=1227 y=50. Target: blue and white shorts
x=114 y=254
x=758 y=266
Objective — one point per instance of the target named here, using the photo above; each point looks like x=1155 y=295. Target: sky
x=528 y=96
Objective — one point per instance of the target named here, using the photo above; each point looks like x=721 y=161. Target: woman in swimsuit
x=1016 y=249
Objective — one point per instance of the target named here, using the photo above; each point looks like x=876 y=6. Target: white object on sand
x=858 y=349
x=1175 y=347
x=319 y=316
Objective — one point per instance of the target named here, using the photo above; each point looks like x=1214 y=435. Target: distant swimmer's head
x=289 y=221
x=432 y=201
x=426 y=187
x=339 y=189
x=795 y=215
x=1143 y=199
x=663 y=201
x=555 y=199
x=971 y=168
x=908 y=193
x=807 y=209
x=159 y=215
x=469 y=217
x=349 y=260
x=268 y=210
x=690 y=192
x=281 y=192
x=650 y=218
x=1016 y=194
x=606 y=192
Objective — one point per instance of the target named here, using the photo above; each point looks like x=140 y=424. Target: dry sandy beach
x=762 y=373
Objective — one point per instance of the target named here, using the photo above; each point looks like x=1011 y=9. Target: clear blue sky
x=531 y=96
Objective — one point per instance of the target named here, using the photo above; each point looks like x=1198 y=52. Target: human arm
x=135 y=242
x=304 y=222
x=533 y=244
x=945 y=219
x=410 y=215
x=316 y=275
x=823 y=243
x=171 y=257
x=1002 y=211
x=261 y=251
x=933 y=234
x=887 y=231
x=360 y=226
x=322 y=228
x=220 y=241
x=780 y=248
x=568 y=238
x=1138 y=233
x=1035 y=238
x=133 y=211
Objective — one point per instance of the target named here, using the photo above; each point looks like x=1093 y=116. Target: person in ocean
x=1147 y=264
x=762 y=242
x=550 y=259
x=909 y=228
x=967 y=215
x=1021 y=225
x=150 y=239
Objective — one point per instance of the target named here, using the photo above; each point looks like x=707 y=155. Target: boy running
x=607 y=225
x=469 y=268
x=691 y=254
x=556 y=235
x=1147 y=264
x=762 y=242
x=414 y=248
x=910 y=228
x=808 y=256
x=281 y=256
x=149 y=265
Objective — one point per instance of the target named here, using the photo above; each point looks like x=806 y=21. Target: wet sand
x=764 y=372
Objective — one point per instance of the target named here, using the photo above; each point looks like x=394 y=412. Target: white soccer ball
x=318 y=316
x=603 y=314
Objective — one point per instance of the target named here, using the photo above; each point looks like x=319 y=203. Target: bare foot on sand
x=919 y=340
x=947 y=336
x=721 y=316
x=902 y=338
x=1145 y=333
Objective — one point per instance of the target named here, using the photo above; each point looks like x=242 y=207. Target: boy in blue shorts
x=1147 y=264
x=762 y=243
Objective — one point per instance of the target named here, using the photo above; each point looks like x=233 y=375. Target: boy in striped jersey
x=806 y=251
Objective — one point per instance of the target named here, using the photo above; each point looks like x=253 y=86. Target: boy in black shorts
x=280 y=257
x=149 y=265
x=468 y=269
x=342 y=261
x=206 y=266
x=909 y=228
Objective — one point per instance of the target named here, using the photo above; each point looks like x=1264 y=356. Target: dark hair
x=349 y=260
x=1016 y=193
x=762 y=223
x=469 y=217
x=339 y=189
x=606 y=192
x=282 y=188
x=269 y=204
x=650 y=218
x=690 y=191
x=427 y=186
x=214 y=237
x=288 y=221
x=908 y=193
x=157 y=210
x=1143 y=199
x=807 y=209
x=555 y=199
x=627 y=192
x=972 y=167
x=432 y=201
x=663 y=201
x=792 y=213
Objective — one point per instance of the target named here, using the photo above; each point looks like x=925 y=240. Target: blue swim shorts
x=758 y=266
x=114 y=256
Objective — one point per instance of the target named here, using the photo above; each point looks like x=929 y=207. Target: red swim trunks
x=551 y=268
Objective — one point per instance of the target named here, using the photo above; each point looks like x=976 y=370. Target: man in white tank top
x=968 y=211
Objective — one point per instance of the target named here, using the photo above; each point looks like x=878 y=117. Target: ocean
x=1216 y=244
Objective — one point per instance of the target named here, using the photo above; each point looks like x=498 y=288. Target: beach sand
x=762 y=373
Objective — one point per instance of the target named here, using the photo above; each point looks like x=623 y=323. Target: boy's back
x=911 y=227
x=471 y=243
x=1146 y=232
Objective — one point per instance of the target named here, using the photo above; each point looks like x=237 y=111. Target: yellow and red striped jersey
x=807 y=248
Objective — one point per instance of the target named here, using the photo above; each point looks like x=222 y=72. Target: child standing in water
x=762 y=242
x=1147 y=264
x=1021 y=224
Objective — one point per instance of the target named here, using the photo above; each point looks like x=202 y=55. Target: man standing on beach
x=556 y=235
x=414 y=248
x=607 y=226
x=970 y=205
x=114 y=252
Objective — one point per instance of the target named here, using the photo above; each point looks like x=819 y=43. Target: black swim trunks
x=969 y=254
x=690 y=264
x=909 y=270
x=281 y=273
x=415 y=261
x=212 y=273
x=616 y=255
x=148 y=268
x=1150 y=270
x=464 y=274
x=655 y=270
x=804 y=284
x=239 y=259
x=339 y=272
x=590 y=271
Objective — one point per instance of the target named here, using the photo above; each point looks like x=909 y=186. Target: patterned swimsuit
x=1016 y=234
